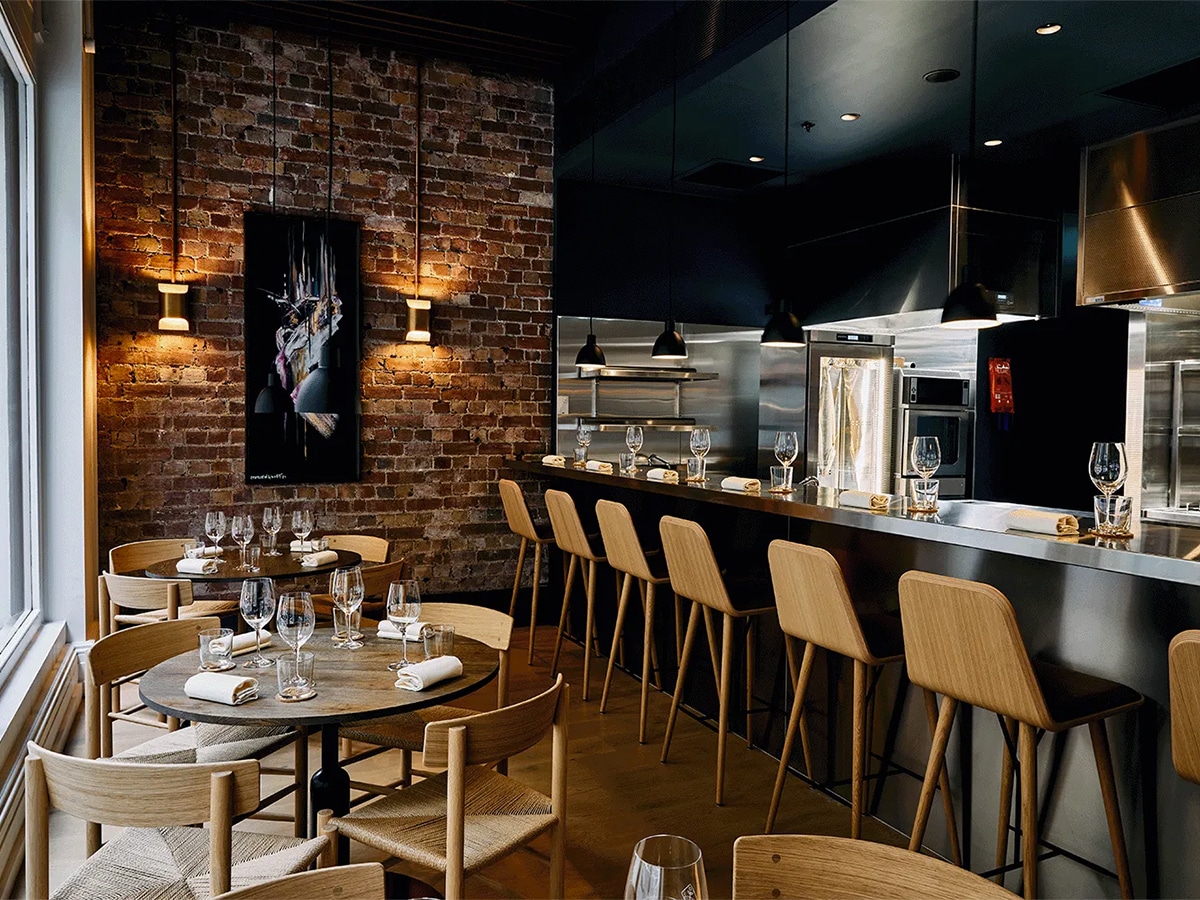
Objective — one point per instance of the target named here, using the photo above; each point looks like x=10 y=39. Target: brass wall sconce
x=172 y=307
x=419 y=315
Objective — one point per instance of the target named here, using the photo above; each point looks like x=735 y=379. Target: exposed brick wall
x=437 y=421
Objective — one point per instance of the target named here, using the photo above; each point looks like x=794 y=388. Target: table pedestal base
x=330 y=787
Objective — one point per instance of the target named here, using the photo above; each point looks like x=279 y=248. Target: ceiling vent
x=731 y=175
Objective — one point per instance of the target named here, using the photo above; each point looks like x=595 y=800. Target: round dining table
x=287 y=565
x=351 y=685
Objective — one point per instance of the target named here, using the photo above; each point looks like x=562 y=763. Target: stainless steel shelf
x=619 y=423
x=647 y=373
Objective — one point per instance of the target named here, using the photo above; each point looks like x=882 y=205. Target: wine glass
x=787 y=447
x=701 y=442
x=214 y=528
x=666 y=867
x=243 y=533
x=925 y=454
x=302 y=523
x=347 y=587
x=583 y=436
x=403 y=608
x=633 y=438
x=295 y=620
x=257 y=606
x=272 y=521
x=1107 y=467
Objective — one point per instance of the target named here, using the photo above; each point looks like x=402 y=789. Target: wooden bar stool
x=814 y=606
x=962 y=641
x=579 y=547
x=695 y=576
x=1183 y=666
x=520 y=523
x=626 y=557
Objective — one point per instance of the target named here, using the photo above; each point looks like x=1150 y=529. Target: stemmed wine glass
x=347 y=588
x=583 y=436
x=214 y=528
x=665 y=867
x=403 y=608
x=925 y=454
x=633 y=438
x=1107 y=467
x=272 y=523
x=257 y=606
x=302 y=523
x=701 y=442
x=787 y=448
x=243 y=533
x=295 y=620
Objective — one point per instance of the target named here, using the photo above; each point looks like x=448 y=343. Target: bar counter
x=1109 y=609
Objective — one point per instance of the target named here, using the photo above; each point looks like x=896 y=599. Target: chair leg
x=937 y=758
x=300 y=766
x=1006 y=786
x=647 y=590
x=649 y=661
x=795 y=668
x=749 y=683
x=405 y=779
x=789 y=739
x=723 y=713
x=1112 y=806
x=944 y=783
x=589 y=628
x=562 y=617
x=622 y=605
x=1027 y=748
x=686 y=653
x=858 y=746
x=618 y=635
x=512 y=605
x=558 y=855
x=678 y=629
x=537 y=583
x=714 y=653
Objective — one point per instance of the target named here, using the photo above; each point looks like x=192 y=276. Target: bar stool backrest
x=961 y=639
x=568 y=530
x=372 y=549
x=691 y=564
x=621 y=543
x=813 y=601
x=1183 y=659
x=516 y=510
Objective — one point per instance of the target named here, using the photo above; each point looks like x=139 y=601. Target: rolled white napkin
x=421 y=675
x=596 y=465
x=734 y=483
x=232 y=690
x=553 y=459
x=1041 y=522
x=411 y=632
x=865 y=500
x=244 y=643
x=666 y=476
x=309 y=560
x=202 y=552
x=305 y=546
x=197 y=566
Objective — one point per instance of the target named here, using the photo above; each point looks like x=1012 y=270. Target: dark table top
x=285 y=566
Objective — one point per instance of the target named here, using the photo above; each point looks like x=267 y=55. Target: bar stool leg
x=1006 y=785
x=685 y=655
x=749 y=683
x=647 y=661
x=944 y=784
x=1112 y=807
x=537 y=583
x=512 y=606
x=562 y=617
x=937 y=758
x=713 y=653
x=794 y=723
x=1027 y=749
x=858 y=746
x=622 y=604
x=647 y=591
x=589 y=628
x=794 y=669
x=723 y=714
x=678 y=630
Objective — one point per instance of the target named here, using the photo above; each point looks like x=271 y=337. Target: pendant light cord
x=329 y=184
x=974 y=75
x=174 y=148
x=274 y=120
x=417 y=193
x=674 y=128
x=595 y=120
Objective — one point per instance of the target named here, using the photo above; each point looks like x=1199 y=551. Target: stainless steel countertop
x=1164 y=552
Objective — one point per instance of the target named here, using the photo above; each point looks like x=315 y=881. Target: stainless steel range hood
x=1139 y=244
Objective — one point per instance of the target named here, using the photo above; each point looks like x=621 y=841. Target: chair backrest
x=135 y=556
x=377 y=579
x=132 y=592
x=488 y=626
x=564 y=521
x=1183 y=665
x=813 y=601
x=805 y=866
x=621 y=543
x=372 y=549
x=961 y=639
x=516 y=510
x=691 y=564
x=363 y=880
x=134 y=795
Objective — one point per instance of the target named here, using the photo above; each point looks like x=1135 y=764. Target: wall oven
x=936 y=405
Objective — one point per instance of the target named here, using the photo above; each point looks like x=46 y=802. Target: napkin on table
x=865 y=500
x=232 y=690
x=595 y=465
x=554 y=459
x=244 y=643
x=310 y=560
x=666 y=476
x=1041 y=522
x=421 y=675
x=197 y=566
x=734 y=483
x=305 y=546
x=411 y=632
x=201 y=552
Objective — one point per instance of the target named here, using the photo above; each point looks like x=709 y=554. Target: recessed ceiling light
x=757 y=158
x=994 y=142
x=1049 y=28
x=851 y=117
x=938 y=76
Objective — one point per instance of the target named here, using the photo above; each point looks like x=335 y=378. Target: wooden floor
x=618 y=791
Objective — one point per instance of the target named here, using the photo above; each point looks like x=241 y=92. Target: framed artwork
x=302 y=308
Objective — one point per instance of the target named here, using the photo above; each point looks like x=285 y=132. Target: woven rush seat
x=173 y=862
x=401 y=732
x=204 y=742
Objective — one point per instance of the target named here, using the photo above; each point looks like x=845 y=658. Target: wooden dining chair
x=406 y=732
x=372 y=549
x=116 y=656
x=134 y=557
x=133 y=600
x=376 y=581
x=818 y=867
x=364 y=881
x=448 y=826
x=521 y=523
x=160 y=852
x=581 y=548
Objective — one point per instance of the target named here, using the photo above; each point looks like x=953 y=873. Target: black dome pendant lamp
x=670 y=344
x=971 y=306
x=590 y=357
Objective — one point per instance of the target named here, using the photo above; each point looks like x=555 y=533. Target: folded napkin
x=734 y=483
x=244 y=643
x=202 y=552
x=666 y=476
x=197 y=566
x=305 y=546
x=309 y=560
x=1041 y=522
x=554 y=459
x=865 y=500
x=232 y=690
x=411 y=632
x=421 y=675
x=595 y=465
